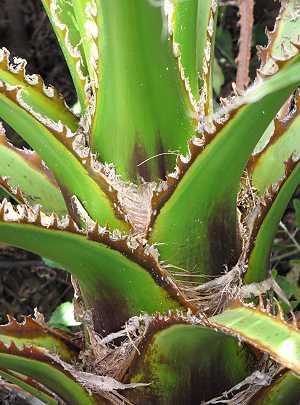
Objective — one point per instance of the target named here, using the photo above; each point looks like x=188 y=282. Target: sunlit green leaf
x=85 y=12
x=63 y=316
x=283 y=138
x=267 y=333
x=194 y=24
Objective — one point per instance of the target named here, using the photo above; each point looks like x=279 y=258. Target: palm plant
x=161 y=205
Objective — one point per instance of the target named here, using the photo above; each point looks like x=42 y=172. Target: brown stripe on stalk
x=246 y=8
x=139 y=162
x=104 y=319
x=143 y=164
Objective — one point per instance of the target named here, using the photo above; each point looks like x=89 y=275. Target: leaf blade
x=31 y=332
x=27 y=386
x=283 y=37
x=286 y=387
x=196 y=373
x=263 y=237
x=208 y=227
x=105 y=274
x=55 y=145
x=38 y=365
x=44 y=100
x=62 y=18
x=25 y=170
x=267 y=166
x=267 y=333
x=142 y=143
x=194 y=24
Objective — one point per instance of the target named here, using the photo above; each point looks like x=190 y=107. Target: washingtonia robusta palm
x=161 y=206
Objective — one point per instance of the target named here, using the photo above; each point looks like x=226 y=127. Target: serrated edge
x=72 y=50
x=134 y=248
x=265 y=203
x=200 y=107
x=208 y=130
x=207 y=63
x=15 y=192
x=17 y=67
x=29 y=325
x=281 y=125
x=265 y=53
x=264 y=312
x=75 y=143
x=31 y=157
